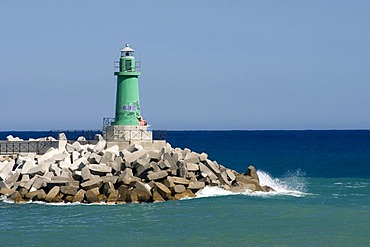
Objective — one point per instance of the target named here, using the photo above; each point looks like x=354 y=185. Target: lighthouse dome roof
x=127 y=49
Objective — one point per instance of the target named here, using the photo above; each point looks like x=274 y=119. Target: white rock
x=81 y=139
x=13 y=139
x=62 y=142
x=69 y=148
x=6 y=168
x=75 y=155
x=100 y=146
x=102 y=168
x=27 y=166
x=77 y=146
x=113 y=149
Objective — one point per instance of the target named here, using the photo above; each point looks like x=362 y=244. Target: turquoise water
x=305 y=211
x=336 y=212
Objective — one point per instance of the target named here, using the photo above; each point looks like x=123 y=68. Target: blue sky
x=205 y=64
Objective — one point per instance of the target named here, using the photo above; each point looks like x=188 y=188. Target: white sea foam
x=293 y=184
x=213 y=191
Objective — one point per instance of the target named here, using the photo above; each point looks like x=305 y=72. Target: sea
x=322 y=198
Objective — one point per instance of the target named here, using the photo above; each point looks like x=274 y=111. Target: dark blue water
x=317 y=153
x=328 y=154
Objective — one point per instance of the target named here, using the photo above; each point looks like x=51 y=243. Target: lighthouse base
x=127 y=133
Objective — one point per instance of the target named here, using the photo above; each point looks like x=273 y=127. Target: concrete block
x=224 y=178
x=13 y=139
x=6 y=191
x=29 y=183
x=252 y=172
x=179 y=188
x=185 y=194
x=197 y=185
x=60 y=156
x=170 y=161
x=77 y=146
x=191 y=157
x=38 y=169
x=94 y=158
x=38 y=183
x=48 y=176
x=49 y=155
x=69 y=148
x=134 y=148
x=154 y=156
x=91 y=196
x=106 y=187
x=141 y=165
x=4 y=185
x=16 y=197
x=86 y=155
x=79 y=197
x=27 y=166
x=69 y=190
x=75 y=155
x=113 y=149
x=164 y=165
x=25 y=178
x=178 y=180
x=6 y=168
x=36 y=195
x=131 y=157
x=90 y=184
x=109 y=179
x=53 y=193
x=108 y=157
x=122 y=193
x=13 y=177
x=212 y=166
x=157 y=197
x=100 y=146
x=192 y=167
x=66 y=173
x=143 y=186
x=157 y=175
x=127 y=176
x=56 y=169
x=182 y=171
x=203 y=157
x=230 y=174
x=79 y=164
x=112 y=197
x=100 y=169
x=206 y=172
x=81 y=139
x=155 y=167
x=142 y=196
x=162 y=190
x=191 y=175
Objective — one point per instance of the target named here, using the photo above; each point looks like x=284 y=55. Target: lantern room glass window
x=127 y=53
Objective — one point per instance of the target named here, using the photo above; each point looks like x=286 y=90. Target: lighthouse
x=128 y=124
x=127 y=99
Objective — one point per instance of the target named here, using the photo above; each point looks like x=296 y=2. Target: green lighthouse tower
x=127 y=99
x=128 y=125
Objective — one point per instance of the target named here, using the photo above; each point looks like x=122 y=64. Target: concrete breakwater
x=105 y=172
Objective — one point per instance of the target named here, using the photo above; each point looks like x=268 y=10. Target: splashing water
x=292 y=184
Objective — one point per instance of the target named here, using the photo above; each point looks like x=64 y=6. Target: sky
x=206 y=65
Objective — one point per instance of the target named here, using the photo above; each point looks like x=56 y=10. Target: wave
x=292 y=184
